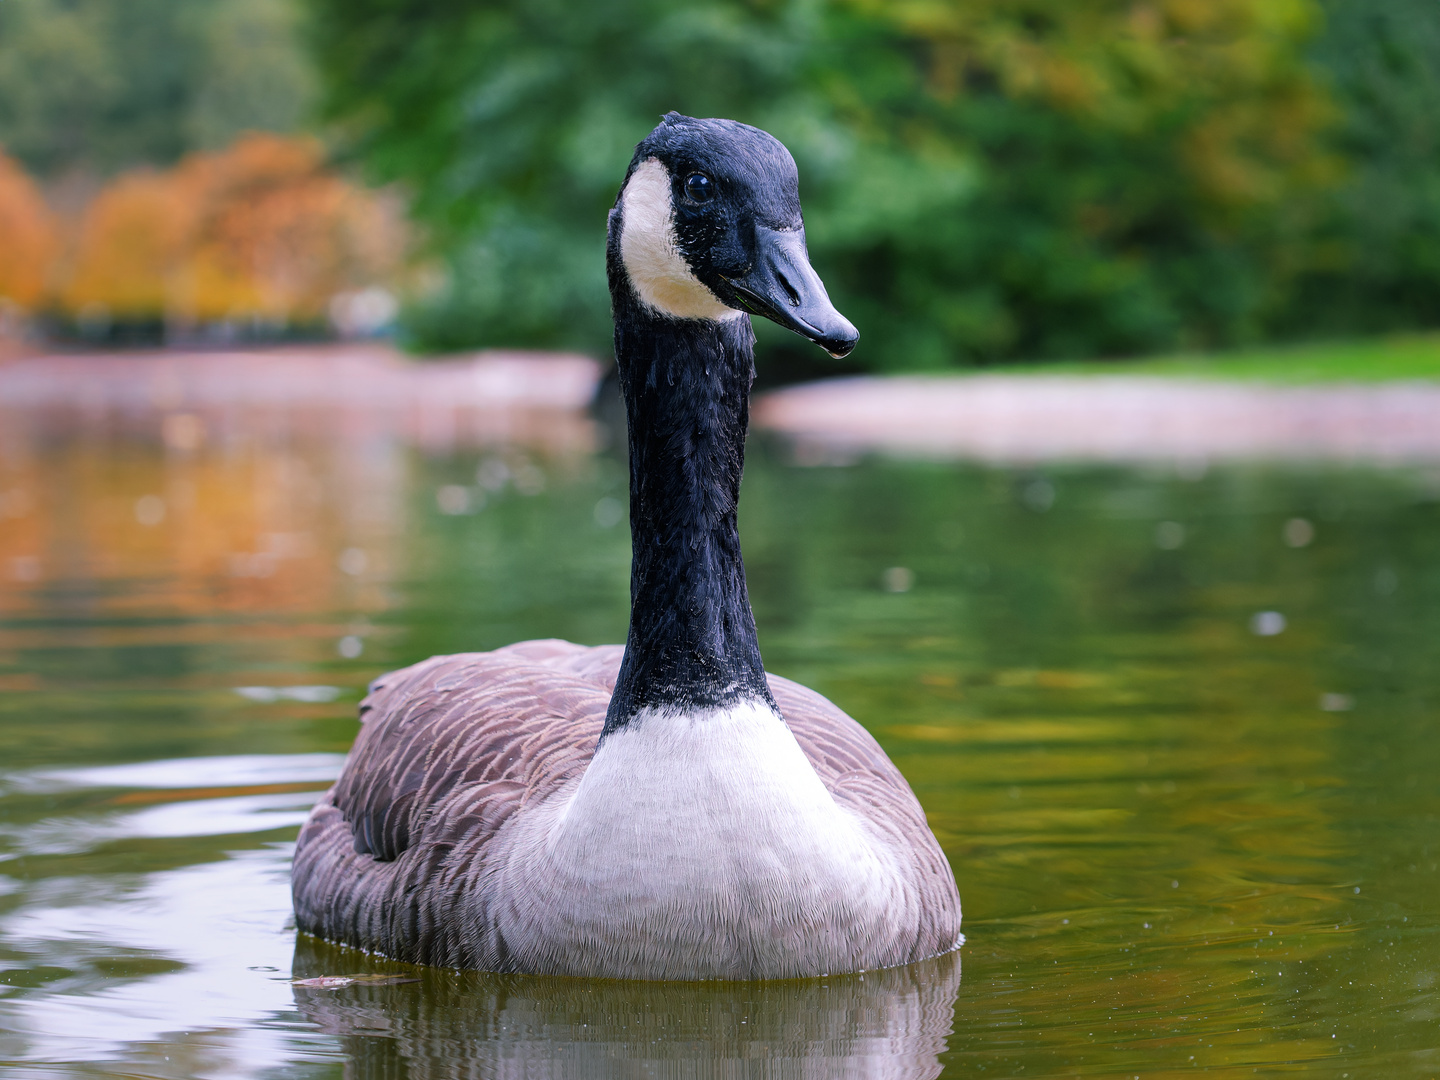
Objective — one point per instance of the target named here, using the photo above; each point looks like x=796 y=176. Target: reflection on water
x=177 y=963
x=881 y=1024
x=1181 y=750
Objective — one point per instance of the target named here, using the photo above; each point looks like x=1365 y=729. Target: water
x=1181 y=751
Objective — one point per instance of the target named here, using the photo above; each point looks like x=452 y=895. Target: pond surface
x=1176 y=730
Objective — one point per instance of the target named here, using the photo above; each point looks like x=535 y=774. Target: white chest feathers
x=698 y=845
x=657 y=270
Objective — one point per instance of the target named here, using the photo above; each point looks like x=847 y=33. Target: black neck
x=686 y=385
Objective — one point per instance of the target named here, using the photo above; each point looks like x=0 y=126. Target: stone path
x=1025 y=418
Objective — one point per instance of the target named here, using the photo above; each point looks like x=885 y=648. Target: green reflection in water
x=1181 y=843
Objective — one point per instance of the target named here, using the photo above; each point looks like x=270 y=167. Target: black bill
x=783 y=287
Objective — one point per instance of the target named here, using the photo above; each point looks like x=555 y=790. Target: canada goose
x=665 y=811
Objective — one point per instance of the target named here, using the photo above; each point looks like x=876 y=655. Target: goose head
x=708 y=226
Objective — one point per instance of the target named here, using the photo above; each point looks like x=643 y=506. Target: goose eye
x=699 y=187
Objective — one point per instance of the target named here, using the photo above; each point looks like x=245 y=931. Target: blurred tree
x=256 y=77
x=131 y=238
x=259 y=234
x=28 y=239
x=57 y=76
x=102 y=85
x=1376 y=259
x=1144 y=174
x=511 y=124
x=982 y=180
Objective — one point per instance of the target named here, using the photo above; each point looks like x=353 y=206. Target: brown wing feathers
x=514 y=714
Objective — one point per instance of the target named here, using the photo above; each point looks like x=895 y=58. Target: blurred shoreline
x=190 y=398
x=544 y=401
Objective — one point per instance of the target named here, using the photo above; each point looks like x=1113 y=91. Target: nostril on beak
x=790 y=290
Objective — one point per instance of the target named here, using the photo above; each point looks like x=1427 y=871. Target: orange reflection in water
x=227 y=483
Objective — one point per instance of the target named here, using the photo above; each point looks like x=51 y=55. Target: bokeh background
x=983 y=181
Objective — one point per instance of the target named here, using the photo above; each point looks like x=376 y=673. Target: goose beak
x=783 y=287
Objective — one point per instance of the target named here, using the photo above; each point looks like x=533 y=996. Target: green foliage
x=512 y=123
x=984 y=180
x=981 y=180
x=1376 y=263
x=1133 y=165
x=100 y=85
x=256 y=76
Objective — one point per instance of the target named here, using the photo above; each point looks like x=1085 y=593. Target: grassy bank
x=1388 y=359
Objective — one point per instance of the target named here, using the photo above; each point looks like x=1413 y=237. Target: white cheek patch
x=657 y=270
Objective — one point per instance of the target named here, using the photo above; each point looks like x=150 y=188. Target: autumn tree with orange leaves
x=29 y=239
x=261 y=233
